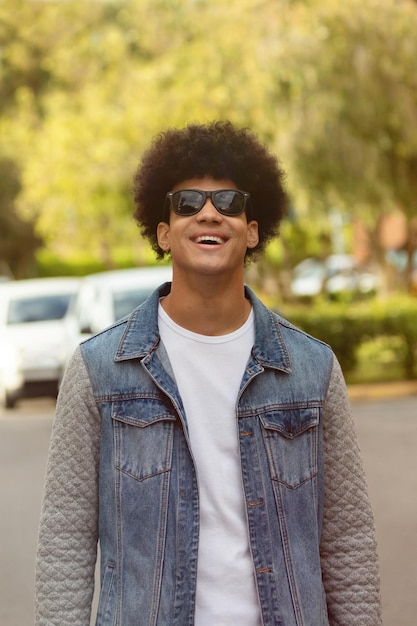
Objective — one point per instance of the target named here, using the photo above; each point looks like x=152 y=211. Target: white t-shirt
x=208 y=371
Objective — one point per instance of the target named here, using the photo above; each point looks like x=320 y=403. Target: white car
x=308 y=278
x=33 y=339
x=106 y=297
x=334 y=275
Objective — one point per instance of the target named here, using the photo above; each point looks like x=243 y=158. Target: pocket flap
x=141 y=412
x=291 y=422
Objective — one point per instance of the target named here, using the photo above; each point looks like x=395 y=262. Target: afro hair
x=218 y=150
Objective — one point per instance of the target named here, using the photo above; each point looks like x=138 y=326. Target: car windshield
x=125 y=301
x=38 y=308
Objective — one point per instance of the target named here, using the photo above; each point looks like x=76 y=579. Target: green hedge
x=346 y=326
x=50 y=264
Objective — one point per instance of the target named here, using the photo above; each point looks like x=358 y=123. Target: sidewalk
x=375 y=391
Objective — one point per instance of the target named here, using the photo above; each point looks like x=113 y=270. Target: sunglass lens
x=187 y=202
x=229 y=202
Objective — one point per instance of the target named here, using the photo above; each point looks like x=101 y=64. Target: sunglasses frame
x=209 y=194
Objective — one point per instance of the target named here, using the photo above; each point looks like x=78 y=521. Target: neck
x=208 y=307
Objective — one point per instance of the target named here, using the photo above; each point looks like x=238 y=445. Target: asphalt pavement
x=386 y=422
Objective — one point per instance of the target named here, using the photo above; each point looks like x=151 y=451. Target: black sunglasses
x=186 y=202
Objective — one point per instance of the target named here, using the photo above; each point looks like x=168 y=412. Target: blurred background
x=329 y=86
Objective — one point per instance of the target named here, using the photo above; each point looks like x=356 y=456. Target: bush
x=345 y=327
x=50 y=264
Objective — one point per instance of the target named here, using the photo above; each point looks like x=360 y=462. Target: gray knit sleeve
x=348 y=547
x=67 y=544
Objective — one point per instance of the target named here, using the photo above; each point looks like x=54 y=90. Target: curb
x=375 y=391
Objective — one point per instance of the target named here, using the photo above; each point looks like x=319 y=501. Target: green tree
x=352 y=106
x=17 y=239
x=329 y=86
x=148 y=65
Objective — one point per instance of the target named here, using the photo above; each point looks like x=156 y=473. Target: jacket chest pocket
x=143 y=436
x=291 y=440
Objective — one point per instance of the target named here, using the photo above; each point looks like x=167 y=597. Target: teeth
x=208 y=239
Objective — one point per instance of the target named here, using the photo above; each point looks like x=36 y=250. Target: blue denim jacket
x=149 y=506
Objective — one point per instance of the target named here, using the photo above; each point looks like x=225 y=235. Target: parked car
x=33 y=336
x=336 y=274
x=106 y=297
x=308 y=278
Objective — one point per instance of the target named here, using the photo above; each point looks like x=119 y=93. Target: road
x=387 y=432
x=24 y=437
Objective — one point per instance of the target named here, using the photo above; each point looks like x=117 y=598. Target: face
x=208 y=243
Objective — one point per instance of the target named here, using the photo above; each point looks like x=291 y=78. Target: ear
x=252 y=234
x=162 y=234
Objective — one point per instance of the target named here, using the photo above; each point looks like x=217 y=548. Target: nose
x=209 y=213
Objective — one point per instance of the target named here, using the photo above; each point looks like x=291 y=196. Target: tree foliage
x=17 y=260
x=330 y=86
x=353 y=107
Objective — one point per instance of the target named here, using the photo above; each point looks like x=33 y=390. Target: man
x=204 y=441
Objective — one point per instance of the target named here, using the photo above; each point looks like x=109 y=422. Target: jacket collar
x=141 y=335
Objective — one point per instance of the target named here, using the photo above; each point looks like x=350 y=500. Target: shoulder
x=105 y=338
x=300 y=342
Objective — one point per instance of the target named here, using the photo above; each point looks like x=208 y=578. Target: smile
x=210 y=240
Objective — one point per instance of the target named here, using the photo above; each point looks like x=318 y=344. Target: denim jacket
x=148 y=486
